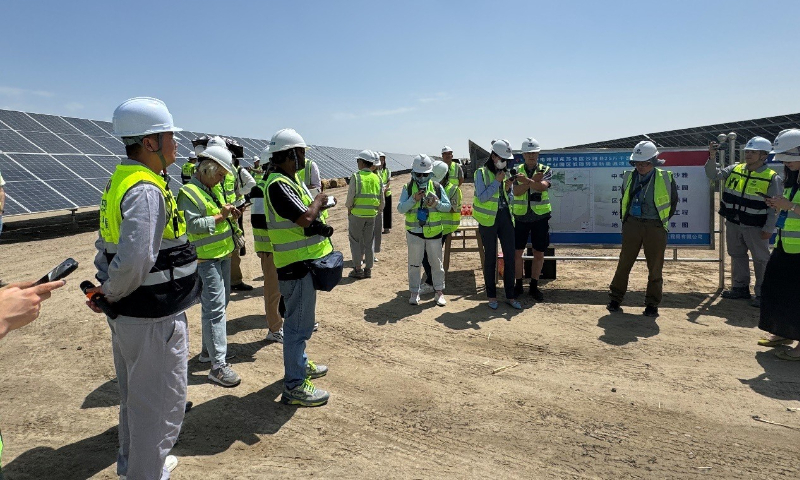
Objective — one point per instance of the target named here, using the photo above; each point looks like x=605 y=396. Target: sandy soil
x=588 y=394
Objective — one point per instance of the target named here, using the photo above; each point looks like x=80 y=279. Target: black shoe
x=613 y=306
x=535 y=292
x=650 y=311
x=756 y=302
x=518 y=289
x=736 y=293
x=242 y=287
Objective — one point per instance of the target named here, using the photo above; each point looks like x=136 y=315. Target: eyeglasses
x=421 y=175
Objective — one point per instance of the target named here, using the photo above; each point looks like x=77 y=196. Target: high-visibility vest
x=289 y=242
x=215 y=245
x=386 y=175
x=304 y=175
x=187 y=170
x=662 y=194
x=452 y=219
x=452 y=173
x=542 y=207
x=367 y=196
x=229 y=186
x=172 y=285
x=789 y=235
x=433 y=226
x=741 y=202
x=486 y=212
x=258 y=218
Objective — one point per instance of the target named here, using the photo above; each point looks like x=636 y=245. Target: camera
x=318 y=228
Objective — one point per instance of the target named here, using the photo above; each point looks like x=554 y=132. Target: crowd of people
x=159 y=254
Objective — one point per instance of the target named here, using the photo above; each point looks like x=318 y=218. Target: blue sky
x=408 y=76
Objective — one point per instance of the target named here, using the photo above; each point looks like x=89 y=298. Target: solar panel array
x=51 y=162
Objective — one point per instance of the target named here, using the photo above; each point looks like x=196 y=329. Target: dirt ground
x=414 y=393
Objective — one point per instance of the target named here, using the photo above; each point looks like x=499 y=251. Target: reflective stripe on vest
x=215 y=245
x=661 y=194
x=172 y=285
x=486 y=212
x=433 y=226
x=740 y=202
x=367 y=197
x=258 y=216
x=789 y=235
x=288 y=240
x=521 y=203
x=452 y=219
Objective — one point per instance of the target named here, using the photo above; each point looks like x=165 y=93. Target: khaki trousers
x=272 y=293
x=636 y=234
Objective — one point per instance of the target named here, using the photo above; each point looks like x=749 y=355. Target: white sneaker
x=375 y=259
x=425 y=289
x=414 y=299
x=440 y=299
x=275 y=336
x=171 y=462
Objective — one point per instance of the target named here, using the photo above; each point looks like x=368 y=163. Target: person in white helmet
x=210 y=224
x=749 y=222
x=297 y=234
x=422 y=202
x=377 y=234
x=364 y=201
x=779 y=313
x=148 y=274
x=386 y=179
x=455 y=174
x=450 y=219
x=492 y=210
x=649 y=198
x=187 y=170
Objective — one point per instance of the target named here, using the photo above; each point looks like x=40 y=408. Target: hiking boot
x=613 y=306
x=756 y=302
x=242 y=287
x=650 y=311
x=356 y=274
x=440 y=299
x=204 y=358
x=535 y=292
x=736 y=293
x=276 y=337
x=225 y=376
x=414 y=298
x=367 y=273
x=315 y=371
x=305 y=395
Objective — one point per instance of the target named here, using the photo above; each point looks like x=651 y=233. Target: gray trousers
x=361 y=234
x=740 y=239
x=150 y=358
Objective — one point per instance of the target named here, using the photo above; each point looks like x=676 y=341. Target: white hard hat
x=217 y=151
x=256 y=159
x=530 y=145
x=192 y=154
x=759 y=143
x=503 y=149
x=440 y=170
x=381 y=154
x=285 y=139
x=446 y=149
x=141 y=116
x=422 y=164
x=645 y=151
x=366 y=155
x=787 y=146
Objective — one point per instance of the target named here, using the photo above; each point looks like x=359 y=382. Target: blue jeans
x=298 y=324
x=216 y=277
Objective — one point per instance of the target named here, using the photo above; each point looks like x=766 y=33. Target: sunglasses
x=421 y=175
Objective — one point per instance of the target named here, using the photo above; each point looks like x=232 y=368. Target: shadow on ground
x=623 y=328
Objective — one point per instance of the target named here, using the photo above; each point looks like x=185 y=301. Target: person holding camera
x=298 y=235
x=364 y=201
x=649 y=198
x=450 y=220
x=422 y=202
x=492 y=210
x=210 y=224
x=749 y=222
x=532 y=215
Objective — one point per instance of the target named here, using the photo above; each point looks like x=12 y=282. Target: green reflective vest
x=661 y=195
x=214 y=245
x=187 y=170
x=386 y=175
x=486 y=212
x=542 y=207
x=304 y=175
x=741 y=202
x=433 y=226
x=789 y=235
x=258 y=218
x=452 y=219
x=367 y=197
x=452 y=173
x=288 y=240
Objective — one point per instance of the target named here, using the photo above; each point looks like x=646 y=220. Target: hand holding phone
x=60 y=272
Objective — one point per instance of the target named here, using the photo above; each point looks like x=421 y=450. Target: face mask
x=421 y=181
x=500 y=164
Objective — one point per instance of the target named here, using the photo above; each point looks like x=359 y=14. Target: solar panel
x=84 y=166
x=12 y=207
x=85 y=144
x=54 y=124
x=86 y=127
x=49 y=142
x=79 y=192
x=108 y=127
x=108 y=162
x=11 y=141
x=20 y=121
x=12 y=171
x=42 y=166
x=37 y=196
x=114 y=145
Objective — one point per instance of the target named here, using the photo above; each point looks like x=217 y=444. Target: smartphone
x=331 y=202
x=67 y=266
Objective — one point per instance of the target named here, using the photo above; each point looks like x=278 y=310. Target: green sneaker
x=315 y=371
x=305 y=395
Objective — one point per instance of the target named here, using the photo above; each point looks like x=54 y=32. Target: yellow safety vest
x=214 y=245
x=741 y=202
x=304 y=175
x=172 y=285
x=661 y=195
x=187 y=170
x=452 y=219
x=452 y=173
x=367 y=196
x=542 y=207
x=386 y=175
x=789 y=235
x=486 y=212
x=289 y=242
x=433 y=226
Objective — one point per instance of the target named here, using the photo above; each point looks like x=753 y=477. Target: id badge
x=636 y=209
